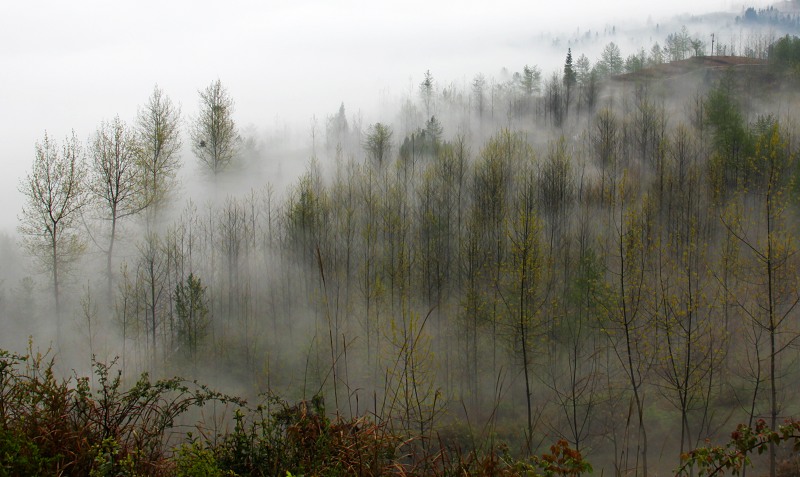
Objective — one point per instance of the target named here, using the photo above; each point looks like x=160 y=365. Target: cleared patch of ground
x=678 y=68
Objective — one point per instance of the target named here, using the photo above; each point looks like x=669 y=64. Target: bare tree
x=215 y=139
x=151 y=278
x=55 y=193
x=158 y=131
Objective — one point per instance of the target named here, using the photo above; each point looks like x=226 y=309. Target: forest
x=602 y=259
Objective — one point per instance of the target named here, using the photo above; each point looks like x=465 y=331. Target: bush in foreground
x=52 y=426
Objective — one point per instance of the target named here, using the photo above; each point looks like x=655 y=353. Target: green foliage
x=215 y=137
x=734 y=456
x=191 y=306
x=422 y=142
x=546 y=263
x=785 y=53
x=772 y=163
x=635 y=62
x=19 y=454
x=732 y=140
x=109 y=463
x=254 y=447
x=52 y=427
x=570 y=75
x=276 y=438
x=679 y=44
x=194 y=459
x=531 y=80
x=611 y=62
x=307 y=213
x=158 y=127
x=378 y=144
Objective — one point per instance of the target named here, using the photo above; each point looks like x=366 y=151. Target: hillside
x=693 y=65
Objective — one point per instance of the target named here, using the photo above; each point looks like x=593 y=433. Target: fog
x=69 y=66
x=327 y=267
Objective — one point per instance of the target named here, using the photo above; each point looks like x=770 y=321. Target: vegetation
x=86 y=427
x=96 y=427
x=83 y=426
x=583 y=259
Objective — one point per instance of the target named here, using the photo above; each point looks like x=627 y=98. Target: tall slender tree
x=570 y=80
x=426 y=92
x=159 y=140
x=55 y=193
x=215 y=138
x=771 y=265
x=117 y=184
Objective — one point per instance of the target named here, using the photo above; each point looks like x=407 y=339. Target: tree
x=158 y=135
x=648 y=131
x=151 y=276
x=531 y=80
x=610 y=63
x=116 y=181
x=771 y=257
x=605 y=138
x=570 y=79
x=379 y=143
x=785 y=53
x=678 y=45
x=570 y=75
x=621 y=301
x=55 y=193
x=635 y=62
x=426 y=92
x=698 y=46
x=587 y=81
x=215 y=139
x=433 y=133
x=686 y=296
x=575 y=374
x=583 y=70
x=526 y=275
x=191 y=308
x=556 y=190
x=731 y=140
x=555 y=104
x=479 y=92
x=656 y=55
x=336 y=129
x=491 y=190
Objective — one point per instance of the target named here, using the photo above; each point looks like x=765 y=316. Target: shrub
x=64 y=427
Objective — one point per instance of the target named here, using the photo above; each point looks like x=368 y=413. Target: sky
x=70 y=65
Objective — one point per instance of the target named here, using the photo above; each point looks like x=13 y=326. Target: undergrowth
x=69 y=427
x=66 y=427
x=52 y=426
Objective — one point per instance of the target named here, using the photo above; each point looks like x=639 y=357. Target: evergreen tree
x=570 y=75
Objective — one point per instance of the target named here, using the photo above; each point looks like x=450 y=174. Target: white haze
x=69 y=65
